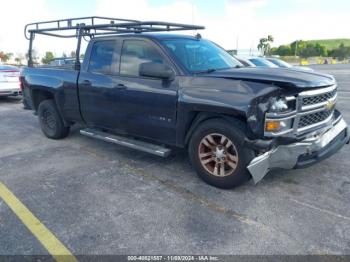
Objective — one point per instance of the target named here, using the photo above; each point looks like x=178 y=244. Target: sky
x=230 y=23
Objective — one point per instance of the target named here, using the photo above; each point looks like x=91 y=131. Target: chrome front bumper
x=317 y=146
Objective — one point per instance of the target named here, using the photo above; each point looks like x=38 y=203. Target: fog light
x=273 y=126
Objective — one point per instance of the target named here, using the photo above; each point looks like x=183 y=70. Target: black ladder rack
x=96 y=26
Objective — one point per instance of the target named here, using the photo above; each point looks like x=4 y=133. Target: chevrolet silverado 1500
x=155 y=92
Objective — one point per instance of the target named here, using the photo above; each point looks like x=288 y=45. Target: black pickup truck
x=156 y=92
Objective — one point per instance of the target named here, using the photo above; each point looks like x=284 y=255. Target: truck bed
x=59 y=81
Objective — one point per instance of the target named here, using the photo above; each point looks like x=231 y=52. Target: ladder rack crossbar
x=101 y=24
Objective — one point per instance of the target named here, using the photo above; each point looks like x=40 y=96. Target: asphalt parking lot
x=99 y=198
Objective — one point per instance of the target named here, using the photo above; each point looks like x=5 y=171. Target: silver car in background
x=283 y=64
x=261 y=62
x=9 y=81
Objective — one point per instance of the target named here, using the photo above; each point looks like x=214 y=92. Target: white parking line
x=321 y=209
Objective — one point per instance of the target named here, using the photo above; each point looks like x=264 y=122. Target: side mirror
x=156 y=70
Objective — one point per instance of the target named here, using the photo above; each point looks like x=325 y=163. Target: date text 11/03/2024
x=172 y=258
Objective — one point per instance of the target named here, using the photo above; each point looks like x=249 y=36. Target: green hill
x=331 y=43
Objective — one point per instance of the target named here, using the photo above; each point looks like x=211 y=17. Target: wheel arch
x=38 y=95
x=201 y=117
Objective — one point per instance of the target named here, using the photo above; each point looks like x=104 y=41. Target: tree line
x=46 y=59
x=49 y=56
x=303 y=49
x=4 y=57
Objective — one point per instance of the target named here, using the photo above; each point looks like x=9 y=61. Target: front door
x=148 y=104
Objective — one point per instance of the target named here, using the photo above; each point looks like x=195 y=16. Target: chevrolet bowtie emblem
x=330 y=105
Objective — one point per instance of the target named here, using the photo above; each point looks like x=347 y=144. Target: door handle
x=121 y=86
x=86 y=83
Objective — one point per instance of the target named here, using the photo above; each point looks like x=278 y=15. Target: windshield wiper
x=210 y=70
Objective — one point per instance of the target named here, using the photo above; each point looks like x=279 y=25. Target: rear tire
x=217 y=153
x=50 y=121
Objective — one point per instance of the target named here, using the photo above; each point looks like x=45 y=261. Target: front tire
x=217 y=152
x=50 y=121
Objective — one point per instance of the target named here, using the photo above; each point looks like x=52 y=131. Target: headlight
x=279 y=117
x=280 y=113
x=278 y=105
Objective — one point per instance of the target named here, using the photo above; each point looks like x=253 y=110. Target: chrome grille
x=306 y=101
x=311 y=119
x=313 y=109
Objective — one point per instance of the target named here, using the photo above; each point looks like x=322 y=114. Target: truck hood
x=285 y=78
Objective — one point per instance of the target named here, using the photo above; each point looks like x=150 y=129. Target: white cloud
x=12 y=21
x=179 y=11
x=221 y=29
x=238 y=24
x=241 y=19
x=18 y=15
x=236 y=21
x=306 y=25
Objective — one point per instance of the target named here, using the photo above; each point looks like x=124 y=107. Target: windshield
x=200 y=55
x=262 y=62
x=280 y=63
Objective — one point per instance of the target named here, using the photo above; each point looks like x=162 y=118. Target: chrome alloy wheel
x=218 y=155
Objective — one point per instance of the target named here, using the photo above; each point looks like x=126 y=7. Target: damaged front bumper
x=314 y=148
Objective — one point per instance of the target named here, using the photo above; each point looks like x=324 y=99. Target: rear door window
x=104 y=58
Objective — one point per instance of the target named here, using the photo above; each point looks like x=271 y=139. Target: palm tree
x=264 y=44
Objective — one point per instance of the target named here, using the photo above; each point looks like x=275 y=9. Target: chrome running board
x=127 y=142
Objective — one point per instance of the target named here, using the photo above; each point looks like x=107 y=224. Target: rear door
x=148 y=105
x=99 y=86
